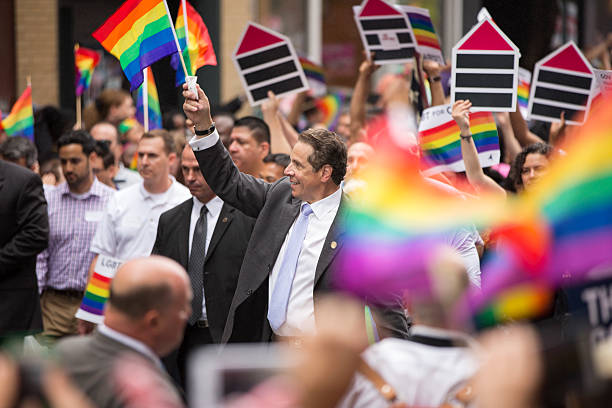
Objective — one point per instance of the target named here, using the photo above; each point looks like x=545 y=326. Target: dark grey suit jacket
x=275 y=210
x=91 y=361
x=24 y=232
x=223 y=259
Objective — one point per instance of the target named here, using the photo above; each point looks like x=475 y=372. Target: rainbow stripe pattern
x=155 y=119
x=97 y=291
x=134 y=162
x=195 y=42
x=522 y=95
x=85 y=60
x=423 y=29
x=137 y=34
x=441 y=146
x=127 y=125
x=312 y=70
x=331 y=106
x=20 y=121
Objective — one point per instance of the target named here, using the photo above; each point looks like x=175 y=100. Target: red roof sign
x=255 y=38
x=378 y=8
x=487 y=36
x=568 y=58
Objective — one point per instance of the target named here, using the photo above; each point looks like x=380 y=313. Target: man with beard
x=74 y=208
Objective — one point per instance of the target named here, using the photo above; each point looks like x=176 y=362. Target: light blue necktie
x=277 y=310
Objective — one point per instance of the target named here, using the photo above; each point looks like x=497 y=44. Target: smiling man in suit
x=208 y=238
x=296 y=235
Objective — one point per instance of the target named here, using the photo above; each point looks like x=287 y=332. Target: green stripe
x=150 y=29
x=95 y=297
x=583 y=195
x=19 y=126
x=484 y=135
x=457 y=144
x=187 y=61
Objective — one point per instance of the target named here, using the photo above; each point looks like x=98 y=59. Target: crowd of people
x=228 y=231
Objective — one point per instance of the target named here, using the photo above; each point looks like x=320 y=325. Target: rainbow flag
x=440 y=144
x=20 y=121
x=134 y=162
x=195 y=42
x=331 y=106
x=138 y=34
x=155 y=119
x=97 y=291
x=423 y=29
x=315 y=76
x=85 y=60
x=522 y=94
x=127 y=125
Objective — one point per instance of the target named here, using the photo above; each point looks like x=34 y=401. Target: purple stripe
x=92 y=310
x=148 y=59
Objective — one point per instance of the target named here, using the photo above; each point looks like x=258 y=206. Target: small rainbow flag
x=423 y=29
x=20 y=121
x=127 y=125
x=152 y=101
x=331 y=106
x=97 y=291
x=315 y=76
x=138 y=34
x=440 y=144
x=524 y=81
x=85 y=60
x=195 y=42
x=134 y=162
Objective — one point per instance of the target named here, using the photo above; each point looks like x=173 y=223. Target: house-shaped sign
x=267 y=61
x=485 y=69
x=385 y=31
x=562 y=82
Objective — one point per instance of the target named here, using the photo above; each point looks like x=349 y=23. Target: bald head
x=106 y=131
x=358 y=156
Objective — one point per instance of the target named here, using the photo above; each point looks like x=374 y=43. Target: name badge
x=93 y=216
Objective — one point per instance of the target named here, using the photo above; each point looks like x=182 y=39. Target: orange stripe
x=126 y=24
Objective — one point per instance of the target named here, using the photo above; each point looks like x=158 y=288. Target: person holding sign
x=475 y=175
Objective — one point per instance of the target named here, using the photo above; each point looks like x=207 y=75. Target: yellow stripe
x=425 y=33
x=137 y=29
x=446 y=140
x=97 y=291
x=10 y=120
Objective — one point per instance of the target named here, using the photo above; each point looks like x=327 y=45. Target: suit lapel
x=333 y=243
x=183 y=242
x=225 y=219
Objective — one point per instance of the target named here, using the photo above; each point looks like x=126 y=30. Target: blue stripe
x=589 y=218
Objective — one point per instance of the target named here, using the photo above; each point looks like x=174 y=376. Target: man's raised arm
x=239 y=190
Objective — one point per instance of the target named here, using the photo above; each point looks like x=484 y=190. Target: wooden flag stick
x=178 y=47
x=145 y=99
x=29 y=80
x=79 y=122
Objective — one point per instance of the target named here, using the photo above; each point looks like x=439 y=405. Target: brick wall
x=36 y=49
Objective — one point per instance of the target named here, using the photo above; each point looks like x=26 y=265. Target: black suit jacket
x=223 y=259
x=275 y=210
x=24 y=232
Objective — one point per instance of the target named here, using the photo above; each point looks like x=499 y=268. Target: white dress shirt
x=300 y=309
x=129 y=224
x=214 y=209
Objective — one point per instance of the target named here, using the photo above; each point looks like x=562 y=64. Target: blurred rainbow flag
x=331 y=106
x=20 y=121
x=315 y=76
x=151 y=103
x=85 y=60
x=195 y=42
x=134 y=162
x=522 y=94
x=423 y=29
x=440 y=144
x=137 y=34
x=126 y=125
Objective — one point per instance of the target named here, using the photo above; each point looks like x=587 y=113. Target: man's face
x=271 y=172
x=246 y=153
x=108 y=133
x=534 y=167
x=358 y=156
x=344 y=126
x=194 y=179
x=153 y=161
x=75 y=164
x=305 y=181
x=103 y=175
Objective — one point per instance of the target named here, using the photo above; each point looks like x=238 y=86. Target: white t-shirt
x=129 y=225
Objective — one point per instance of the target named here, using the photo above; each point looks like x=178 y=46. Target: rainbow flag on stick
x=139 y=33
x=522 y=94
x=194 y=40
x=97 y=291
x=85 y=60
x=440 y=144
x=148 y=112
x=331 y=106
x=20 y=121
x=424 y=32
x=315 y=76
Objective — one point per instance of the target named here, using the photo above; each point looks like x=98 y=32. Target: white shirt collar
x=329 y=203
x=130 y=342
x=214 y=205
x=145 y=194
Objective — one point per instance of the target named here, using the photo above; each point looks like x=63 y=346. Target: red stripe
x=101 y=278
x=127 y=14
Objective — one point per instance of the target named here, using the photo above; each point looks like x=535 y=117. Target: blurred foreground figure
x=24 y=232
x=148 y=306
x=434 y=366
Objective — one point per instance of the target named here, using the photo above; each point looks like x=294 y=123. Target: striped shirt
x=72 y=224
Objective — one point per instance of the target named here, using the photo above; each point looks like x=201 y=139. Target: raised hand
x=461 y=114
x=197 y=110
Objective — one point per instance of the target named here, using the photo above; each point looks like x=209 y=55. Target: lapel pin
x=333 y=244
x=224 y=219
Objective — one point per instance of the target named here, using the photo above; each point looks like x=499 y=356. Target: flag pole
x=78 y=97
x=178 y=47
x=145 y=99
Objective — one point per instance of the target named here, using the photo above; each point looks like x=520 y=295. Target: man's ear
x=326 y=173
x=172 y=157
x=151 y=318
x=264 y=149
